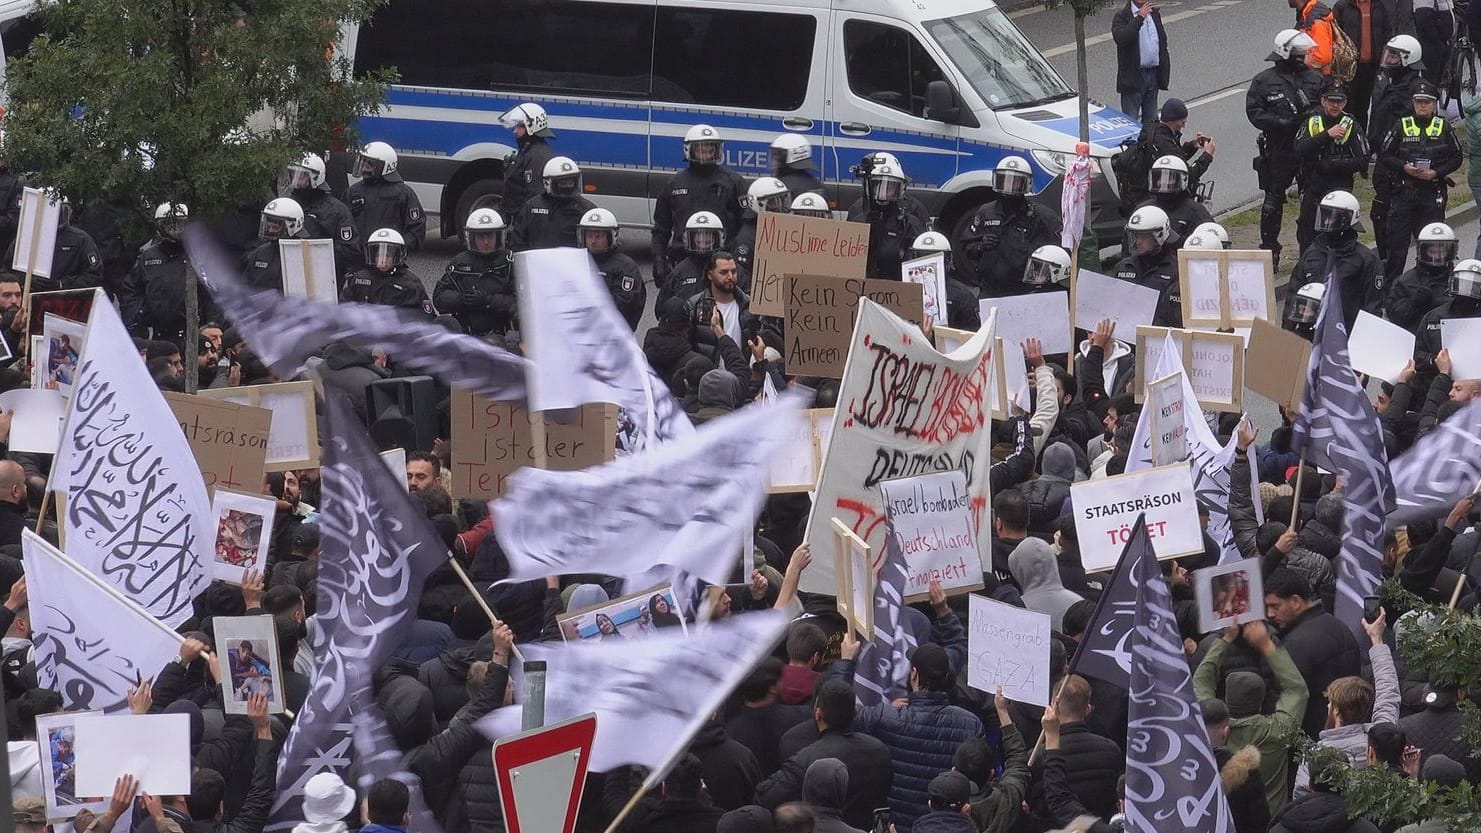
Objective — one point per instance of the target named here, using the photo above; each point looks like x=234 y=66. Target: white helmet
x=302 y=175
x=1047 y=265
x=531 y=115
x=808 y=204
x=1147 y=230
x=1402 y=51
x=768 y=193
x=1169 y=175
x=884 y=157
x=1437 y=245
x=886 y=183
x=376 y=159
x=931 y=243
x=599 y=220
x=1216 y=231
x=1292 y=42
x=1338 y=211
x=1202 y=240
x=170 y=218
x=1306 y=304
x=283 y=217
x=703 y=145
x=789 y=149
x=703 y=233
x=484 y=231
x=1012 y=177
x=562 y=177
x=1465 y=281
x=385 y=250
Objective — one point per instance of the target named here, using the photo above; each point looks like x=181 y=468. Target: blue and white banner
x=1443 y=467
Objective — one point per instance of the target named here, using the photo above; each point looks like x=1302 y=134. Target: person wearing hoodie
x=996 y=799
x=719 y=394
x=1322 y=647
x=1323 y=811
x=1036 y=571
x=1445 y=773
x=1010 y=528
x=352 y=369
x=683 y=806
x=730 y=770
x=1104 y=365
x=1046 y=494
x=1239 y=772
x=327 y=800
x=825 y=787
x=949 y=806
x=1245 y=694
x=1354 y=706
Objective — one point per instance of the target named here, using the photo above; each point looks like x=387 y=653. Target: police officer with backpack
x=1164 y=137
x=1330 y=150
x=1277 y=102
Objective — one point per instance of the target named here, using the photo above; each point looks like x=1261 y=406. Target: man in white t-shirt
x=721 y=296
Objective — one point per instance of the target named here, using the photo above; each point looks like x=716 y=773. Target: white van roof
x=12 y=9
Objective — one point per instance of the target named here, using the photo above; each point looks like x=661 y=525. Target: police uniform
x=744 y=249
x=1393 y=97
x=479 y=291
x=892 y=229
x=262 y=267
x=524 y=174
x=1427 y=341
x=1326 y=165
x=326 y=218
x=75 y=263
x=801 y=181
x=998 y=241
x=683 y=278
x=399 y=288
x=152 y=298
x=1415 y=293
x=1277 y=100
x=1359 y=272
x=548 y=222
x=1184 y=213
x=713 y=188
x=387 y=202
x=625 y=282
x=12 y=188
x=1416 y=202
x=1159 y=271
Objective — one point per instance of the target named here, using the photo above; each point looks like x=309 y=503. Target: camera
x=864 y=168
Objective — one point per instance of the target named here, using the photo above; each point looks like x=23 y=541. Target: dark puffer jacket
x=922 y=737
x=1324 y=649
x=1438 y=732
x=1319 y=813
x=1092 y=765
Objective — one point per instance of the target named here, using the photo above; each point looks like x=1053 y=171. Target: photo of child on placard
x=57 y=736
x=251 y=658
x=61 y=351
x=243 y=534
x=1229 y=594
x=630 y=617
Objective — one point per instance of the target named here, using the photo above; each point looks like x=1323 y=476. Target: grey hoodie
x=1037 y=573
x=825 y=787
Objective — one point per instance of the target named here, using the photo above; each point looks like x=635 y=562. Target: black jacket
x=1392 y=98
x=254 y=813
x=439 y=760
x=1439 y=732
x=1320 y=812
x=1324 y=649
x=326 y=218
x=1412 y=139
x=400 y=288
x=625 y=282
x=1414 y=294
x=1159 y=271
x=12 y=188
x=387 y=202
x=1126 y=30
x=1359 y=272
x=524 y=174
x=713 y=188
x=479 y=291
x=1279 y=99
x=1427 y=343
x=1092 y=765
x=75 y=263
x=547 y=222
x=731 y=772
x=12 y=521
x=1327 y=164
x=999 y=240
x=761 y=730
x=262 y=265
x=868 y=763
x=892 y=230
x=152 y=297
x=1184 y=211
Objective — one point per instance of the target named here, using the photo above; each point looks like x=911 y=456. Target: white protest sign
x=1042 y=315
x=932 y=516
x=1008 y=646
x=37 y=425
x=1203 y=292
x=1169 y=426
x=1217 y=371
x=1379 y=348
x=930 y=273
x=1462 y=337
x=1098 y=297
x=395 y=460
x=154 y=748
x=293 y=439
x=1251 y=288
x=949 y=341
x=308 y=269
x=1107 y=509
x=1223 y=289
x=795 y=469
x=36 y=242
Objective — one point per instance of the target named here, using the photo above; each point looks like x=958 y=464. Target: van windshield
x=998 y=61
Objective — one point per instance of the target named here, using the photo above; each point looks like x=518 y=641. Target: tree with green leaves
x=1082 y=10
x=194 y=101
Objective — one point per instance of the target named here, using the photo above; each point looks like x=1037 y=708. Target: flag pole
x=1296 y=497
x=482 y=602
x=1039 y=744
x=627 y=808
x=45 y=505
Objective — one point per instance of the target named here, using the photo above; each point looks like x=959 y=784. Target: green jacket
x=1266 y=732
x=996 y=808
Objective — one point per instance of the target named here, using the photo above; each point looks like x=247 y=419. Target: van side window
x=725 y=58
x=552 y=46
x=888 y=66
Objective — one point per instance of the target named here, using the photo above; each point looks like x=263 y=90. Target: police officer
x=1303 y=308
x=892 y=226
x=598 y=232
x=324 y=216
x=1464 y=302
x=1001 y=235
x=281 y=219
x=549 y=220
x=1152 y=261
x=382 y=200
x=703 y=233
x=1393 y=95
x=1336 y=247
x=477 y=288
x=1330 y=149
x=1276 y=103
x=767 y=193
x=1048 y=270
x=524 y=170
x=1167 y=185
x=808 y=204
x=1201 y=240
x=1419 y=154
x=75 y=262
x=864 y=171
x=791 y=162
x=1214 y=230
x=962 y=309
x=152 y=299
x=385 y=278
x=705 y=185
x=1422 y=288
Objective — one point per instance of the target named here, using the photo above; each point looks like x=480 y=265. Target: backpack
x=1344 y=63
x=1133 y=163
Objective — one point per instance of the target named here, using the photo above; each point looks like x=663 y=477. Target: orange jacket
x=1317 y=21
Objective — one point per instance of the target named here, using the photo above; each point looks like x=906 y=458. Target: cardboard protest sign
x=950 y=340
x=36 y=427
x=154 y=748
x=930 y=273
x=820 y=313
x=1379 y=348
x=293 y=439
x=1169 y=425
x=249 y=663
x=308 y=269
x=36 y=237
x=243 y=526
x=932 y=516
x=1041 y=315
x=1229 y=594
x=492 y=440
x=1224 y=289
x=229 y=440
x=796 y=468
x=903 y=409
x=1098 y=297
x=1462 y=337
x=1278 y=361
x=1214 y=363
x=71 y=304
x=1008 y=646
x=854 y=566
x=56 y=734
x=789 y=244
x=1107 y=509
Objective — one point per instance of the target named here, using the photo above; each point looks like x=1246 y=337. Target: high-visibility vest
x=1314 y=127
x=1435 y=129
